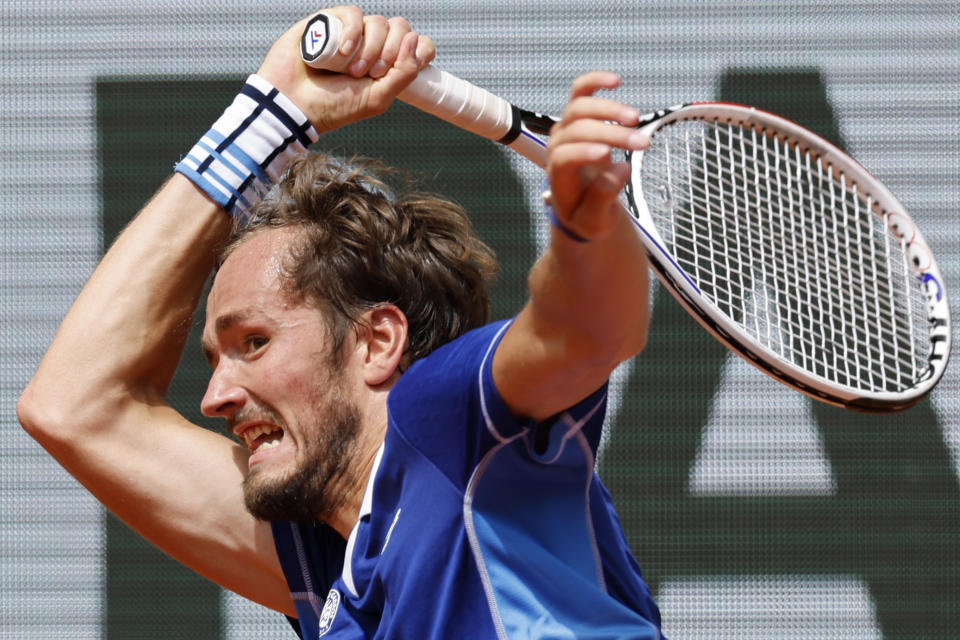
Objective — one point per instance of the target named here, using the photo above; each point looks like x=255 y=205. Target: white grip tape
x=436 y=92
x=460 y=103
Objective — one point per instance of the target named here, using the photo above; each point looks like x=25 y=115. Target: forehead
x=250 y=278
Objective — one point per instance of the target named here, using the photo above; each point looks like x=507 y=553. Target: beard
x=324 y=473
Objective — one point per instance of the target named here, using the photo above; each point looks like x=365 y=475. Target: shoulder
x=446 y=407
x=452 y=372
x=465 y=353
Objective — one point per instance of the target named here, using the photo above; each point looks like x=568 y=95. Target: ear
x=383 y=339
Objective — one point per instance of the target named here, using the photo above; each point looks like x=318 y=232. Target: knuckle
x=374 y=20
x=399 y=22
x=349 y=12
x=555 y=140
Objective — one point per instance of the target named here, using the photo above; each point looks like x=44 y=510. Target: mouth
x=261 y=437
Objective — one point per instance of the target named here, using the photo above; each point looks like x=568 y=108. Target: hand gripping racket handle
x=434 y=91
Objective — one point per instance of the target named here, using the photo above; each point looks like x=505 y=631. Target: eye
x=254 y=343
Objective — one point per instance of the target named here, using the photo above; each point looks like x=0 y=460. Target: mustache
x=256 y=413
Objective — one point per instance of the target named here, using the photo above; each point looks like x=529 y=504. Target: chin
x=316 y=483
x=305 y=494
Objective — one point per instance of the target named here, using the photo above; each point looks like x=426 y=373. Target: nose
x=224 y=396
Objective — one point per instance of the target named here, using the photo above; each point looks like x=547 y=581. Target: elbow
x=52 y=417
x=607 y=352
x=620 y=346
x=34 y=414
x=43 y=415
x=628 y=347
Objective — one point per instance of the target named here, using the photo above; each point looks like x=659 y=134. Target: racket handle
x=436 y=92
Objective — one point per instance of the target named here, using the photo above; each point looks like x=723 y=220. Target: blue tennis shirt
x=474 y=524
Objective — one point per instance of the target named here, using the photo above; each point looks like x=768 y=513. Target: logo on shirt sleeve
x=330 y=608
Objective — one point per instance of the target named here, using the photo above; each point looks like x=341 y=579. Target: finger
x=590 y=83
x=608 y=184
x=425 y=51
x=572 y=167
x=352 y=19
x=407 y=62
x=599 y=204
x=375 y=29
x=384 y=89
x=601 y=109
x=575 y=154
x=398 y=28
x=589 y=130
x=602 y=184
x=597 y=210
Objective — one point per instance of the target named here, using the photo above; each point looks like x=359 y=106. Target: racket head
x=794 y=255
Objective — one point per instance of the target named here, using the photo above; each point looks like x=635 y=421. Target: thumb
x=598 y=211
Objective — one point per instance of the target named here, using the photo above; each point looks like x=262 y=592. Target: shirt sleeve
x=448 y=408
x=311 y=556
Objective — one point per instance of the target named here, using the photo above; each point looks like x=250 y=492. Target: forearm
x=587 y=313
x=592 y=298
x=588 y=308
x=141 y=299
x=127 y=327
x=590 y=289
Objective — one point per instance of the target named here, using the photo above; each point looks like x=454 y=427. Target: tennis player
x=400 y=468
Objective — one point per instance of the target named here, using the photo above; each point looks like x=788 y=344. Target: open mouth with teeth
x=262 y=437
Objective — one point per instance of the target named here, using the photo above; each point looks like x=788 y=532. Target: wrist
x=248 y=148
x=551 y=214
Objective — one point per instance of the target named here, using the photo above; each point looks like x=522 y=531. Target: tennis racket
x=779 y=243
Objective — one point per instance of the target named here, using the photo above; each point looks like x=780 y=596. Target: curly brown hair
x=359 y=246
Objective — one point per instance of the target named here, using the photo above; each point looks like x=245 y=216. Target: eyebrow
x=222 y=323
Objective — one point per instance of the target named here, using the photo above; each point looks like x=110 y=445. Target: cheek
x=296 y=377
x=299 y=390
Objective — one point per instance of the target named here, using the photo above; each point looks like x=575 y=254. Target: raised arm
x=588 y=308
x=97 y=401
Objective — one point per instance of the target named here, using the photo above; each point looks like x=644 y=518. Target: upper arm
x=176 y=484
x=539 y=374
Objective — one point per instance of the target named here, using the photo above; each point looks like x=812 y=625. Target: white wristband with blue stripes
x=248 y=148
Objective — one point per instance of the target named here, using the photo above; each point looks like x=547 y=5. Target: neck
x=345 y=516
x=372 y=408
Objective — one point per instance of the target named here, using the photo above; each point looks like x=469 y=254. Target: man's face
x=276 y=383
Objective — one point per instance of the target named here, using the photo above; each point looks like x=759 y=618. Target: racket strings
x=790 y=250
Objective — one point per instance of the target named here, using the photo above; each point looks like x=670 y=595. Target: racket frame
x=726 y=330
